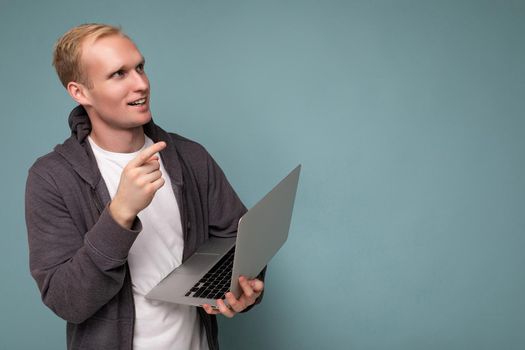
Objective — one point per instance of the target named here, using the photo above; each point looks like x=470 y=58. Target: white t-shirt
x=154 y=254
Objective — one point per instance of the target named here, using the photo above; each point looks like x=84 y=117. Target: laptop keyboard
x=215 y=283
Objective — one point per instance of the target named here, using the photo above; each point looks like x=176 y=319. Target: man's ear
x=78 y=92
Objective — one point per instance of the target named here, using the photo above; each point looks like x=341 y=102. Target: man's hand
x=139 y=182
x=252 y=289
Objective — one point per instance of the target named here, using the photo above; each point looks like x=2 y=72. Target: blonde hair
x=68 y=50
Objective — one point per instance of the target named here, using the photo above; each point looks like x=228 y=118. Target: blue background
x=408 y=231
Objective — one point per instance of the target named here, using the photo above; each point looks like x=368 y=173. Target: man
x=120 y=204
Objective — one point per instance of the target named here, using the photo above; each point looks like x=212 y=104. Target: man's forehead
x=110 y=52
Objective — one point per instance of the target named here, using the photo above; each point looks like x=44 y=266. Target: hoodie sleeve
x=225 y=208
x=77 y=272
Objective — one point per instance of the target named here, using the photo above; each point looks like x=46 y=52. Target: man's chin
x=147 y=118
x=144 y=117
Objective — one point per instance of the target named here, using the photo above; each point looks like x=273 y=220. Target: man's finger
x=152 y=176
x=257 y=285
x=246 y=287
x=158 y=184
x=210 y=310
x=152 y=158
x=150 y=167
x=235 y=305
x=226 y=311
x=147 y=153
x=251 y=288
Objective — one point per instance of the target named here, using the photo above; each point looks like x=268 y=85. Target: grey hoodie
x=78 y=253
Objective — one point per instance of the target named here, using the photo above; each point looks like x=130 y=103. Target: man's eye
x=118 y=74
x=140 y=68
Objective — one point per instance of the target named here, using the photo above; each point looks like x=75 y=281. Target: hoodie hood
x=79 y=123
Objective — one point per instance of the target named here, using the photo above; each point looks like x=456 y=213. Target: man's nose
x=140 y=81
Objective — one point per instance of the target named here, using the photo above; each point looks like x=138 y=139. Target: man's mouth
x=138 y=102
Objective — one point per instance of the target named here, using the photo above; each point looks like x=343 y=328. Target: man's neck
x=119 y=141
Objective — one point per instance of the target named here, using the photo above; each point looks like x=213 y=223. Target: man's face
x=118 y=92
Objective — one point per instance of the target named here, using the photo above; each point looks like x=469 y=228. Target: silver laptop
x=215 y=267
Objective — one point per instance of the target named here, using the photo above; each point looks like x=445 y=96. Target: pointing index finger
x=147 y=153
